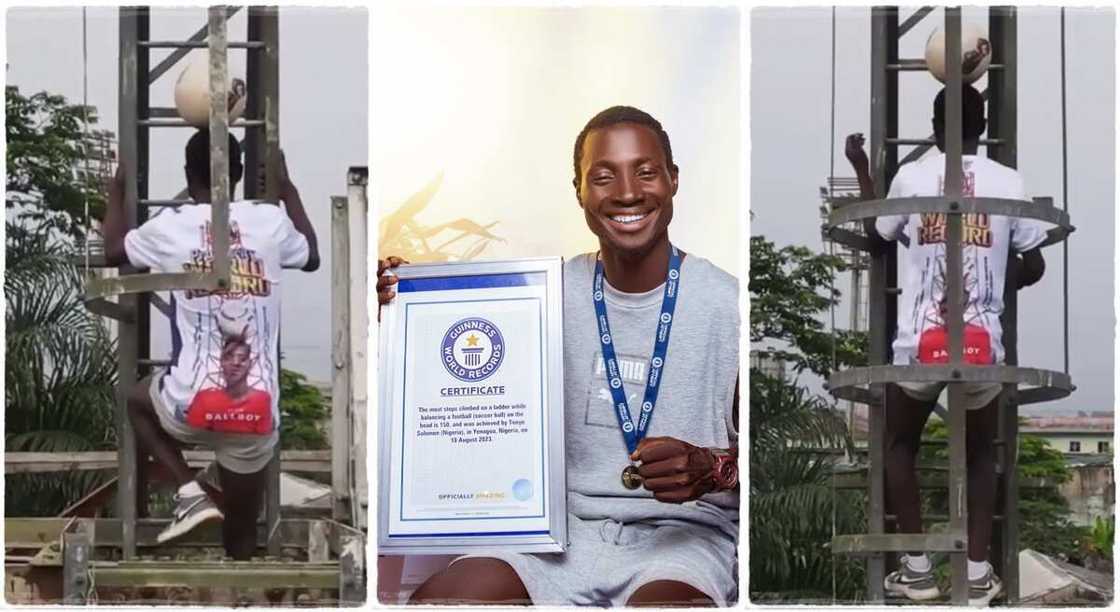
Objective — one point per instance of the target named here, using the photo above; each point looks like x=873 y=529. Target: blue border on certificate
x=471 y=282
x=480 y=281
x=470 y=534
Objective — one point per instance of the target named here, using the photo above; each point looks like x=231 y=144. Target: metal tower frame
x=135 y=291
x=868 y=384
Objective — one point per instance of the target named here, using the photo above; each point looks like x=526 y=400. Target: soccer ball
x=976 y=53
x=192 y=93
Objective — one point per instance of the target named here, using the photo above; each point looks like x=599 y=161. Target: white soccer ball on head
x=192 y=93
x=976 y=53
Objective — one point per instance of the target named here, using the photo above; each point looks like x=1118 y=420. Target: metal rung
x=143 y=283
x=111 y=310
x=928 y=480
x=179 y=123
x=159 y=363
x=996 y=442
x=198 y=44
x=96 y=260
x=165 y=203
x=906 y=65
x=936 y=518
x=261 y=574
x=930 y=141
x=872 y=543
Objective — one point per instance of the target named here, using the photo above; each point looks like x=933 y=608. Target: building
x=1080 y=434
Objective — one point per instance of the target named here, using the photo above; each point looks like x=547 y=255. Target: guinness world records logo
x=472 y=349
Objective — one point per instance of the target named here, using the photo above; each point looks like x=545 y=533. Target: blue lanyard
x=656 y=363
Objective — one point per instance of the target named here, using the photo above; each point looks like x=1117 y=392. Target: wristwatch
x=725 y=469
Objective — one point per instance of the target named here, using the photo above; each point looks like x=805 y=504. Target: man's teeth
x=628 y=218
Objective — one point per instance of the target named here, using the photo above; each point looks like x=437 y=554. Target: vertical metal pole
x=77 y=550
x=958 y=497
x=270 y=87
x=264 y=149
x=340 y=357
x=1003 y=86
x=357 y=202
x=127 y=342
x=219 y=138
x=253 y=143
x=1002 y=117
x=881 y=272
x=143 y=300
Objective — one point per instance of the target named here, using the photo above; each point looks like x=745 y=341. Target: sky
x=324 y=124
x=790 y=156
x=491 y=100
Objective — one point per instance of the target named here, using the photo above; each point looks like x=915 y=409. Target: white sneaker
x=190 y=512
x=984 y=589
x=914 y=585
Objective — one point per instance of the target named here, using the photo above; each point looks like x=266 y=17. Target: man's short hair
x=198 y=159
x=972 y=112
x=622 y=114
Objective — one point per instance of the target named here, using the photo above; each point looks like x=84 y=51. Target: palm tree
x=795 y=441
x=60 y=369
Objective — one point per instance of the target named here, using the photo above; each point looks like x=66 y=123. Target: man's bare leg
x=241 y=509
x=151 y=436
x=473 y=581
x=905 y=419
x=668 y=593
x=982 y=425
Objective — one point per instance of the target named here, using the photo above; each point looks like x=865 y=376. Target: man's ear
x=575 y=185
x=674 y=173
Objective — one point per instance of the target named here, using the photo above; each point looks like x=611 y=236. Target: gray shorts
x=976 y=395
x=241 y=453
x=607 y=561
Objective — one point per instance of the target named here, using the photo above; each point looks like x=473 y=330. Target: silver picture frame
x=431 y=285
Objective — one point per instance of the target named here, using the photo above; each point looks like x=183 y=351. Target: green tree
x=794 y=442
x=1044 y=523
x=60 y=366
x=789 y=289
x=795 y=437
x=45 y=145
x=302 y=412
x=59 y=373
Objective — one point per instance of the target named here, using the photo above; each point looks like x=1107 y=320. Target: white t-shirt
x=923 y=335
x=223 y=342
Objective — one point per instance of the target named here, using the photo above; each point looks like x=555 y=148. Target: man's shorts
x=607 y=561
x=241 y=453
x=976 y=395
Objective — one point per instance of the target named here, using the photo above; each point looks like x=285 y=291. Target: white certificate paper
x=468 y=428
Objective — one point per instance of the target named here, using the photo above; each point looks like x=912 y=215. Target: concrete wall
x=1091 y=492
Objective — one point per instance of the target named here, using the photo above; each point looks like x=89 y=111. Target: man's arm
x=853 y=150
x=113 y=226
x=1032 y=268
x=676 y=471
x=293 y=206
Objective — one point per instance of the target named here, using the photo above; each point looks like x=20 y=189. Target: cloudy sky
x=323 y=122
x=790 y=72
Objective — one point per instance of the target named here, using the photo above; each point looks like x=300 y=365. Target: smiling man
x=650 y=347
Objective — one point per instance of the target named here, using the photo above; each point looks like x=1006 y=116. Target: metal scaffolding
x=317 y=554
x=867 y=385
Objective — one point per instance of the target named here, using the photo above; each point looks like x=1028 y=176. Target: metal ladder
x=135 y=291
x=867 y=385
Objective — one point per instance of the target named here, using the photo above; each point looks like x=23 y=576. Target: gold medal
x=631 y=479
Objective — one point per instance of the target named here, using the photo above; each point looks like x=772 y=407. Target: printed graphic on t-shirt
x=600 y=402
x=233 y=368
x=930 y=307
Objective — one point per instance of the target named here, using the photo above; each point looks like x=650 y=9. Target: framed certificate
x=471 y=427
